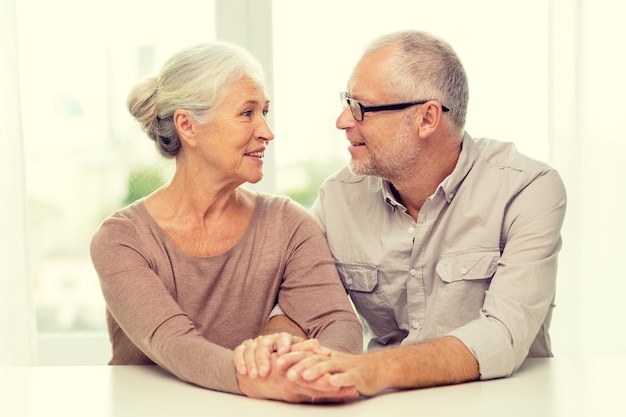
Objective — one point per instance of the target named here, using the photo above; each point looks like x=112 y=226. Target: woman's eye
x=265 y=112
x=247 y=113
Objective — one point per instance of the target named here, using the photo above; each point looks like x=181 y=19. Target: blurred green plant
x=315 y=174
x=142 y=182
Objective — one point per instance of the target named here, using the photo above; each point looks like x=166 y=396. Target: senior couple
x=445 y=244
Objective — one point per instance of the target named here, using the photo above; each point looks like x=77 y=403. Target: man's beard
x=391 y=160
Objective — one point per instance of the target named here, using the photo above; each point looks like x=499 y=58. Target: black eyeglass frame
x=347 y=101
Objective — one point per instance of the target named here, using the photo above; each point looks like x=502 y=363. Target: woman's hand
x=253 y=356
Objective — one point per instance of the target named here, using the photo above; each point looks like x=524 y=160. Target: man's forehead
x=371 y=73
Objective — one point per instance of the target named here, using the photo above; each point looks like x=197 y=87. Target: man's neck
x=414 y=187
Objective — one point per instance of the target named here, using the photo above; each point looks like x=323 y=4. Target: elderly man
x=446 y=244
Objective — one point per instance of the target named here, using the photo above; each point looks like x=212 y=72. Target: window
x=316 y=45
x=85 y=155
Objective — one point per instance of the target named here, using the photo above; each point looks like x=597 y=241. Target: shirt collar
x=449 y=186
x=389 y=195
x=467 y=157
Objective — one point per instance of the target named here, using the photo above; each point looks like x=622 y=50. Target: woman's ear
x=185 y=126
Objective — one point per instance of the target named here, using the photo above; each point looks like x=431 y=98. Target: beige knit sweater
x=185 y=313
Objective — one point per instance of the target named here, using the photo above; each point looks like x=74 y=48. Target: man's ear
x=431 y=117
x=185 y=126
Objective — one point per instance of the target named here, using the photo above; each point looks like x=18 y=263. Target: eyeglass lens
x=355 y=108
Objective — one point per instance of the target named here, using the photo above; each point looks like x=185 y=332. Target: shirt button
x=463 y=270
x=349 y=281
x=415 y=324
x=411 y=230
x=450 y=196
x=413 y=272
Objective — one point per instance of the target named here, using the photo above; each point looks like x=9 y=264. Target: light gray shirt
x=480 y=262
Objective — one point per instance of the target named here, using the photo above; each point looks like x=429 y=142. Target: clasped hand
x=281 y=366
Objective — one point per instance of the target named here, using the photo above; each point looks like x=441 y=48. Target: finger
x=312 y=366
x=238 y=359
x=312 y=345
x=342 y=379
x=307 y=394
x=284 y=342
x=256 y=353
x=341 y=395
x=250 y=357
x=312 y=370
x=321 y=384
x=344 y=394
x=263 y=347
x=288 y=360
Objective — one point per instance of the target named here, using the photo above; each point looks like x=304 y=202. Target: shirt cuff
x=490 y=345
x=276 y=311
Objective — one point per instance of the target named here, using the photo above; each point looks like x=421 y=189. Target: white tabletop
x=543 y=387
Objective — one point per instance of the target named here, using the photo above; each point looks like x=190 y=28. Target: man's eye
x=247 y=113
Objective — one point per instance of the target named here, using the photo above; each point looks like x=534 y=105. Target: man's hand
x=277 y=386
x=441 y=361
x=341 y=370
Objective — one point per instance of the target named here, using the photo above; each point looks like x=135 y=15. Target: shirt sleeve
x=146 y=312
x=317 y=210
x=521 y=293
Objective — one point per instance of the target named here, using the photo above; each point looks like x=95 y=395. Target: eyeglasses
x=358 y=110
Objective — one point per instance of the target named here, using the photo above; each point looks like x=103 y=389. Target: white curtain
x=588 y=146
x=17 y=328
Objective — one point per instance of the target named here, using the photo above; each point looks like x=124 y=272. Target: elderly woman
x=194 y=269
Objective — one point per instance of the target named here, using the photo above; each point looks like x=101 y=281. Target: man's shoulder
x=501 y=154
x=345 y=176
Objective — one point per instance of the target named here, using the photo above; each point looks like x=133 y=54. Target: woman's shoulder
x=133 y=214
x=280 y=205
x=283 y=215
x=287 y=221
x=124 y=224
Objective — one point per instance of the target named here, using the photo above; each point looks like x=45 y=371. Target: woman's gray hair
x=427 y=68
x=192 y=80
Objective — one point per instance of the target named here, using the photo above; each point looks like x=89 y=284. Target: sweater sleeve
x=147 y=313
x=311 y=293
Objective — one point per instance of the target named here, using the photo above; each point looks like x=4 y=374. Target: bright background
x=546 y=75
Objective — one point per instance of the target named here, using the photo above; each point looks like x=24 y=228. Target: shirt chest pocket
x=461 y=289
x=368 y=295
x=468 y=266
x=358 y=277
